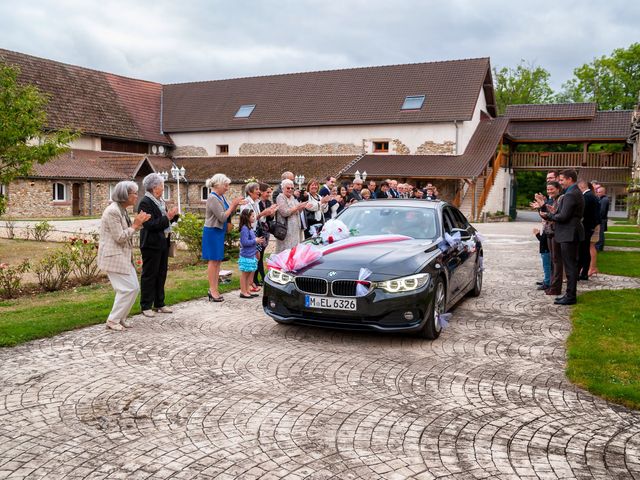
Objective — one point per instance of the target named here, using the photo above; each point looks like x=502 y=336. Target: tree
x=24 y=140
x=612 y=82
x=525 y=83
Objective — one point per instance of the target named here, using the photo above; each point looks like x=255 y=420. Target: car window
x=460 y=219
x=411 y=221
x=447 y=220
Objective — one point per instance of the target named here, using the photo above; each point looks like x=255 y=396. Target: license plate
x=330 y=303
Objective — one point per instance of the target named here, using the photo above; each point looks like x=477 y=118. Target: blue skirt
x=247 y=264
x=213 y=243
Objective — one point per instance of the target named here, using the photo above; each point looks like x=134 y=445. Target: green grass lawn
x=624 y=228
x=45 y=315
x=621 y=236
x=619 y=263
x=622 y=243
x=604 y=345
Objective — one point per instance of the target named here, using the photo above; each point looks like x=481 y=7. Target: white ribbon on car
x=362 y=286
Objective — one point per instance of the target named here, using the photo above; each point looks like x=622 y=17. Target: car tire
x=432 y=327
x=477 y=281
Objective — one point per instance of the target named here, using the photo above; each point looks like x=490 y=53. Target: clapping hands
x=140 y=218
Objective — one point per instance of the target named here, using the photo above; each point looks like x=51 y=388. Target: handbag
x=278 y=229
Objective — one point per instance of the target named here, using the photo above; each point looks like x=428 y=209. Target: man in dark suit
x=154 y=245
x=326 y=188
x=568 y=234
x=590 y=220
x=355 y=193
x=601 y=193
x=384 y=190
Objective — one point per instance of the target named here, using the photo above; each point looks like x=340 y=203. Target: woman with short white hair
x=216 y=224
x=115 y=251
x=289 y=212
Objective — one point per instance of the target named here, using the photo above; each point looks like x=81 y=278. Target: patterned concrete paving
x=221 y=391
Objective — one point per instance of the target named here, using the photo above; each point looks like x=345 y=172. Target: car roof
x=401 y=202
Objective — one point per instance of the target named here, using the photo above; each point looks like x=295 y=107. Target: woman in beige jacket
x=115 y=251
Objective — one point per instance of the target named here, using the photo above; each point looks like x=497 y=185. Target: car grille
x=312 y=285
x=343 y=288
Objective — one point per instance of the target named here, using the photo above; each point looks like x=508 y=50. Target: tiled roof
x=353 y=96
x=84 y=165
x=265 y=168
x=94 y=102
x=606 y=125
x=606 y=176
x=481 y=148
x=558 y=111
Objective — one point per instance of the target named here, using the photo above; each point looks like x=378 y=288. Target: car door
x=451 y=256
x=467 y=256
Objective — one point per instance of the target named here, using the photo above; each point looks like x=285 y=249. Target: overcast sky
x=192 y=40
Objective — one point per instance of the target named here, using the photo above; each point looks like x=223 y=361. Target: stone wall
x=190 y=151
x=400 y=148
x=434 y=148
x=307 y=149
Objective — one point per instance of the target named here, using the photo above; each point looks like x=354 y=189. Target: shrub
x=54 y=270
x=11 y=278
x=10 y=226
x=83 y=254
x=189 y=231
x=41 y=230
x=232 y=243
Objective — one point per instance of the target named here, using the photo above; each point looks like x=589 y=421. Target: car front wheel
x=432 y=326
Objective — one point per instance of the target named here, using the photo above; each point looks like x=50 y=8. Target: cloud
x=168 y=41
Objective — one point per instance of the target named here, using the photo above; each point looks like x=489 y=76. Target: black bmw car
x=411 y=283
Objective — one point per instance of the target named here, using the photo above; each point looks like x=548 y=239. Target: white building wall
x=498 y=198
x=86 y=142
x=467 y=129
x=411 y=135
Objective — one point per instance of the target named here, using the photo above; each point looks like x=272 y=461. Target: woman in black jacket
x=155 y=237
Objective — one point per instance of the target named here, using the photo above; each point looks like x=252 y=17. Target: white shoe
x=126 y=323
x=163 y=310
x=114 y=326
x=149 y=313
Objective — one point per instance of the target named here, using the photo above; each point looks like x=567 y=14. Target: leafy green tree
x=24 y=139
x=525 y=83
x=612 y=82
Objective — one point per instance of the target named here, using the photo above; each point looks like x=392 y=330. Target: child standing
x=248 y=261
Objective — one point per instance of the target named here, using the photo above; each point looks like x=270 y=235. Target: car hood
x=385 y=260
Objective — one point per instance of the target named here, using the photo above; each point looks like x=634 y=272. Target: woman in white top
x=317 y=206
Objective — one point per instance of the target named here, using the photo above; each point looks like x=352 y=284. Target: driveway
x=221 y=391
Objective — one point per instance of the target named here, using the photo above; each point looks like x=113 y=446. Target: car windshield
x=375 y=220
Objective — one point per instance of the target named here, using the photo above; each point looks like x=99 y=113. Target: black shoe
x=539 y=283
x=566 y=301
x=542 y=287
x=214 y=299
x=560 y=298
x=245 y=296
x=583 y=277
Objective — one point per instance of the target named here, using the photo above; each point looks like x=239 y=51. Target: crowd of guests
x=574 y=215
x=300 y=210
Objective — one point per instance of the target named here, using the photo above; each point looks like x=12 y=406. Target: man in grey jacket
x=601 y=192
x=569 y=233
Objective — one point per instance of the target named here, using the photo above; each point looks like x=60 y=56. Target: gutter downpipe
x=455 y=123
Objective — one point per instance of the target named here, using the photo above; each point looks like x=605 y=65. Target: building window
x=204 y=193
x=413 y=102
x=620 y=204
x=222 y=149
x=380 y=147
x=245 y=111
x=3 y=190
x=59 y=192
x=166 y=195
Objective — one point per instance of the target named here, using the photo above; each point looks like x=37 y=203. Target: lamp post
x=177 y=174
x=299 y=179
x=360 y=176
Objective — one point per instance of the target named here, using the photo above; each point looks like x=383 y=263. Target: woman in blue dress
x=217 y=221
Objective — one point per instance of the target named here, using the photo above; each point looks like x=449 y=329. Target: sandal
x=215 y=299
x=242 y=295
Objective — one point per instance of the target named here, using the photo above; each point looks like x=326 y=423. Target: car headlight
x=280 y=277
x=404 y=284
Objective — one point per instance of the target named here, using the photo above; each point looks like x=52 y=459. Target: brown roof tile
x=606 y=125
x=81 y=164
x=353 y=96
x=481 y=148
x=94 y=102
x=265 y=168
x=556 y=111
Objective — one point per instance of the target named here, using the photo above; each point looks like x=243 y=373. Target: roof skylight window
x=413 y=102
x=244 y=111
